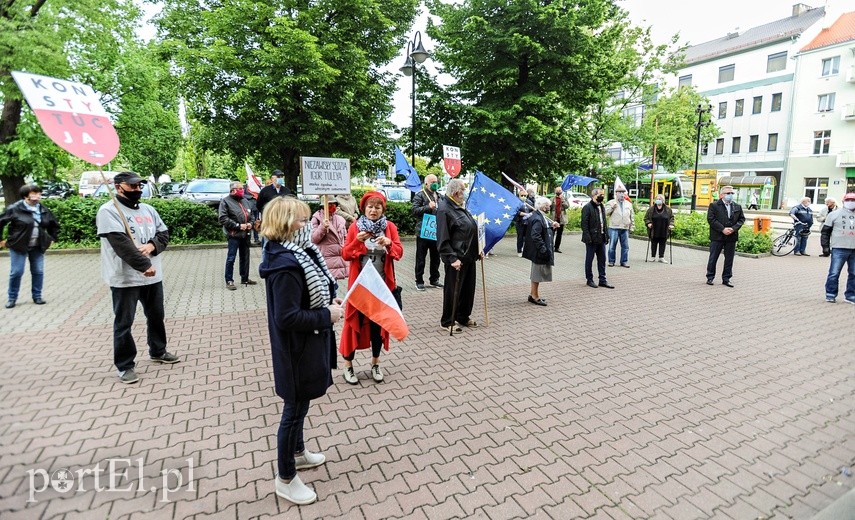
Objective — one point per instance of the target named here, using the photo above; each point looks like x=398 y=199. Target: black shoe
x=625 y=265
x=539 y=301
x=727 y=283
x=249 y=282
x=557 y=250
x=606 y=285
x=805 y=254
x=611 y=265
x=709 y=282
x=231 y=286
x=592 y=284
x=437 y=284
x=10 y=304
x=39 y=301
x=420 y=287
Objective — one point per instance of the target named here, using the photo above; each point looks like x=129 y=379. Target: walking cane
x=455 y=297
x=671 y=246
x=649 y=231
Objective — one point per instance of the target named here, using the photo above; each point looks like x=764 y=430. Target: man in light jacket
x=619 y=213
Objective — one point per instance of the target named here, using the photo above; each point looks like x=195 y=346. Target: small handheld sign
x=451 y=160
x=428 y=231
x=71 y=114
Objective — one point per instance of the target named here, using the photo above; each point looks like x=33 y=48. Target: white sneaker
x=376 y=373
x=662 y=260
x=308 y=460
x=295 y=491
x=350 y=376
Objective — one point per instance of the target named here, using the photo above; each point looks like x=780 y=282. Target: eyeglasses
x=135 y=186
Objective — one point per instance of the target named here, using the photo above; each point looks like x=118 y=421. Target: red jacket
x=356 y=334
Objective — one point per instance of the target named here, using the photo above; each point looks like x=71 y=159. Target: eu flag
x=402 y=167
x=498 y=205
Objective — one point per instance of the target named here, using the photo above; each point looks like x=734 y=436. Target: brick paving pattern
x=664 y=399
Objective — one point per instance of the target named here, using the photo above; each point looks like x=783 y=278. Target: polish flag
x=619 y=184
x=370 y=295
x=253 y=184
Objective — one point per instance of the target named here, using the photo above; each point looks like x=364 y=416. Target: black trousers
x=423 y=247
x=598 y=250
x=658 y=243
x=520 y=237
x=124 y=307
x=376 y=341
x=716 y=248
x=558 y=231
x=466 y=297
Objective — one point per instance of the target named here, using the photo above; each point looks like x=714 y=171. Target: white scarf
x=318 y=277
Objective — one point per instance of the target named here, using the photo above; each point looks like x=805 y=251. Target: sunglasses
x=136 y=185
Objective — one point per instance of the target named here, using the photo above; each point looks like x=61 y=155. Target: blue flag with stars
x=402 y=167
x=496 y=203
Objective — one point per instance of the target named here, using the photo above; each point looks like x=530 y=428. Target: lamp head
x=407 y=69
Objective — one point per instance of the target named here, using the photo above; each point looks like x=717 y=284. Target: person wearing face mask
x=133 y=236
x=725 y=217
x=659 y=220
x=802 y=217
x=539 y=248
x=595 y=236
x=328 y=234
x=425 y=202
x=838 y=241
x=237 y=221
x=372 y=239
x=621 y=220
x=559 y=214
x=276 y=188
x=301 y=310
x=32 y=229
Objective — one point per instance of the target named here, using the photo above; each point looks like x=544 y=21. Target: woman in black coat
x=538 y=248
x=659 y=220
x=301 y=310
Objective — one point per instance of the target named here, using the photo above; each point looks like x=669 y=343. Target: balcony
x=848 y=112
x=846 y=159
x=850 y=74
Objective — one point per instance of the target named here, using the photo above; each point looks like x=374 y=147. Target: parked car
x=207 y=191
x=57 y=190
x=90 y=180
x=171 y=190
x=396 y=194
x=577 y=199
x=149 y=190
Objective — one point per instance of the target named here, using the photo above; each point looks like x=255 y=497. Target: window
x=758 y=105
x=776 y=62
x=685 y=81
x=753 y=142
x=726 y=73
x=772 y=144
x=740 y=106
x=776 y=102
x=821 y=142
x=831 y=66
x=734 y=147
x=615 y=153
x=705 y=149
x=816 y=189
x=719 y=146
x=826 y=103
x=722 y=110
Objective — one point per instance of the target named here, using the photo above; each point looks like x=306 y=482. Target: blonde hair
x=281 y=216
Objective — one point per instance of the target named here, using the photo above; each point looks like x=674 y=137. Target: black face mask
x=133 y=196
x=600 y=198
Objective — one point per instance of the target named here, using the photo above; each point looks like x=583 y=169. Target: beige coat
x=620 y=216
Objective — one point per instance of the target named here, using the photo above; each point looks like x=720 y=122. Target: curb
x=841 y=509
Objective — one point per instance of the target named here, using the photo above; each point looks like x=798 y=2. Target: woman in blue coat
x=301 y=310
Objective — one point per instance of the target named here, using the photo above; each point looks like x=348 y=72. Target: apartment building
x=821 y=158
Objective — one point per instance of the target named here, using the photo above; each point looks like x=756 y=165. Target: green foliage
x=188 y=222
x=574 y=219
x=751 y=242
x=692 y=228
x=274 y=80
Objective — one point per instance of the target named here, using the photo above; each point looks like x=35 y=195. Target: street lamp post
x=416 y=54
x=701 y=110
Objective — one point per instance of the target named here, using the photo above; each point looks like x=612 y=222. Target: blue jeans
x=37 y=271
x=839 y=256
x=290 y=437
x=241 y=246
x=622 y=235
x=801 y=241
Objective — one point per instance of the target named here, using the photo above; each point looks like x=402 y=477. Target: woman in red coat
x=372 y=239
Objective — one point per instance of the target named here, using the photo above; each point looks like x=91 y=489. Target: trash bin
x=762 y=224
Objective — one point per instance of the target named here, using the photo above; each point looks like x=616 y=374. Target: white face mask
x=850 y=205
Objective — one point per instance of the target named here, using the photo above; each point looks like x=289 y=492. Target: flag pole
x=116 y=203
x=484 y=287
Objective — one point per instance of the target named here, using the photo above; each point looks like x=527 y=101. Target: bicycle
x=786 y=243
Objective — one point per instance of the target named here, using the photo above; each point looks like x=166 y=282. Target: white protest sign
x=325 y=175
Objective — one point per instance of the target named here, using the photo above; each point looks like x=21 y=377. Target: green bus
x=676 y=187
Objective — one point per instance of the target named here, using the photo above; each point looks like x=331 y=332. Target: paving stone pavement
x=664 y=398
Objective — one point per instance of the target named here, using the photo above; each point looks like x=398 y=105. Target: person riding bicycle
x=802 y=221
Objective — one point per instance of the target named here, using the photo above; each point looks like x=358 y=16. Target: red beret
x=371 y=195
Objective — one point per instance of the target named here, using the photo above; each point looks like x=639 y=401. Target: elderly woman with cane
x=659 y=220
x=457 y=241
x=539 y=248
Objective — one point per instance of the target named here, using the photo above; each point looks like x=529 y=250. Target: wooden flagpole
x=484 y=287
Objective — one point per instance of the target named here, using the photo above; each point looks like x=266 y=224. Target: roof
x=841 y=31
x=754 y=37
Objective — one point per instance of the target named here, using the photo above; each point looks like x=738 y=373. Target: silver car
x=207 y=191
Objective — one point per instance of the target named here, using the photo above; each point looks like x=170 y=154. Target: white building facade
x=821 y=159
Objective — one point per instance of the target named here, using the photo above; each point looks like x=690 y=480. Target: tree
x=276 y=79
x=670 y=124
x=526 y=71
x=79 y=40
x=148 y=125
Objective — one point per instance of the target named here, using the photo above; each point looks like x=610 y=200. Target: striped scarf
x=318 y=277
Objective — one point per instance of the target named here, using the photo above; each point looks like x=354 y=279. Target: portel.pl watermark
x=113 y=476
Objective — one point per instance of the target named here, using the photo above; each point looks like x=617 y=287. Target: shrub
x=755 y=243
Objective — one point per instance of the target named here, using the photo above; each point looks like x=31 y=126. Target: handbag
x=396 y=293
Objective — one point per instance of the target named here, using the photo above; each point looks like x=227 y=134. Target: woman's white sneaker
x=350 y=376
x=307 y=460
x=295 y=491
x=376 y=373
